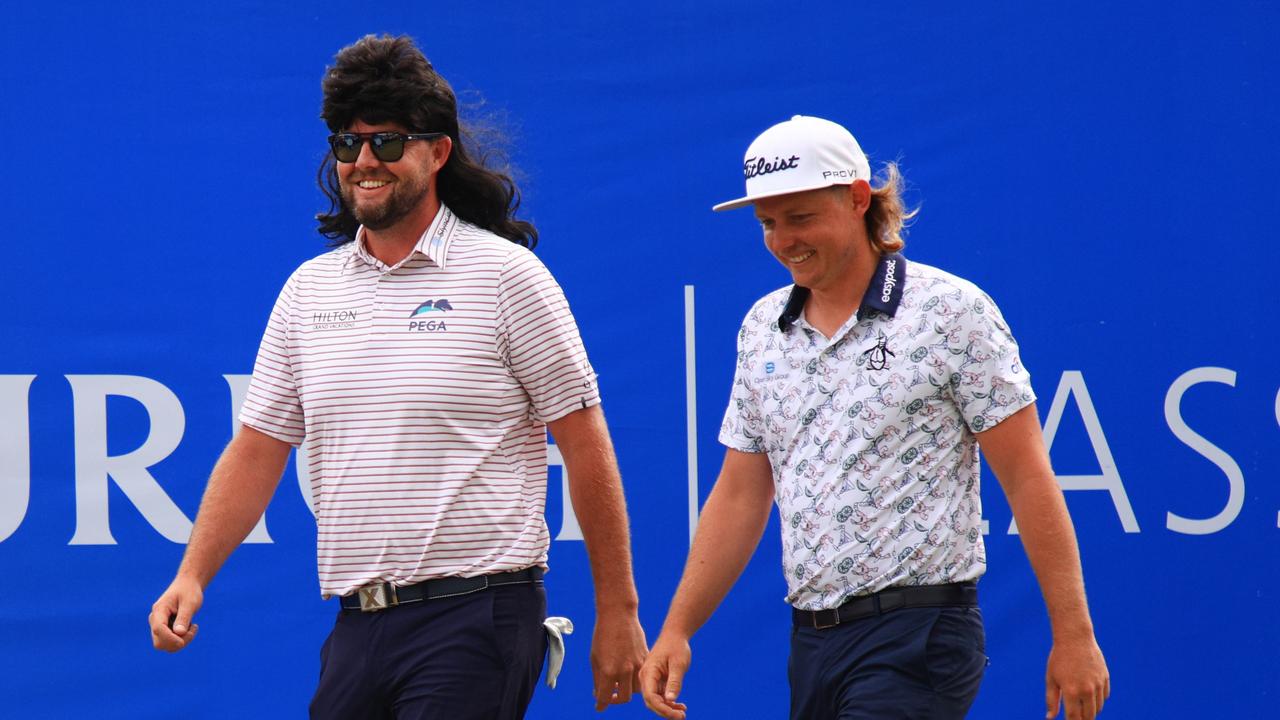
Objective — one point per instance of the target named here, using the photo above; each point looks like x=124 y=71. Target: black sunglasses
x=387 y=146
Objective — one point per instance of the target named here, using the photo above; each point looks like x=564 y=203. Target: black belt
x=372 y=598
x=963 y=594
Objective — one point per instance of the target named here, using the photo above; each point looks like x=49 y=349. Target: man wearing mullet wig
x=423 y=359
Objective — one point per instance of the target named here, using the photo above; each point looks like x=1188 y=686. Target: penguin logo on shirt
x=878 y=356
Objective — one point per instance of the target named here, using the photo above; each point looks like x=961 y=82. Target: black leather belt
x=963 y=594
x=372 y=598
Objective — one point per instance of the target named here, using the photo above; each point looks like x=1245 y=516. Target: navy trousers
x=470 y=657
x=908 y=664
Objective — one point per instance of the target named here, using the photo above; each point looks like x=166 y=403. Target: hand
x=618 y=649
x=662 y=676
x=171 y=626
x=1076 y=678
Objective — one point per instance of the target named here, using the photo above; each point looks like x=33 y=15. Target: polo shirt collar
x=883 y=294
x=433 y=245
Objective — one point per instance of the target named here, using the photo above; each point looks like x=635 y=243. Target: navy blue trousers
x=908 y=664
x=470 y=657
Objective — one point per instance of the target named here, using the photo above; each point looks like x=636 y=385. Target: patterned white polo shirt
x=871 y=433
x=423 y=390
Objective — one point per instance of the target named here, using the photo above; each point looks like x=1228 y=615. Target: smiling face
x=819 y=235
x=381 y=194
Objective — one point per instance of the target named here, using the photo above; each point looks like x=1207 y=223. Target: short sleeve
x=988 y=381
x=272 y=405
x=743 y=426
x=539 y=340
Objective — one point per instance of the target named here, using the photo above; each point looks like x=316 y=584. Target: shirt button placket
x=378 y=326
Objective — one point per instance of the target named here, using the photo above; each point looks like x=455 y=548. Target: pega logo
x=429 y=325
x=430 y=306
x=759 y=166
x=887 y=292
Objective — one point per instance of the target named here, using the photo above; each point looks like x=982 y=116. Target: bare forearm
x=239 y=489
x=618 y=644
x=595 y=489
x=725 y=541
x=1076 y=675
x=1015 y=450
x=729 y=529
x=1050 y=542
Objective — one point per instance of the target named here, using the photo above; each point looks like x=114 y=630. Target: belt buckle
x=819 y=625
x=378 y=597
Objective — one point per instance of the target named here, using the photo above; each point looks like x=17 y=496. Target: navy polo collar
x=884 y=292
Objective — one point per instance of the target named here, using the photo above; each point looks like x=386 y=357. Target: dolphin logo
x=430 y=306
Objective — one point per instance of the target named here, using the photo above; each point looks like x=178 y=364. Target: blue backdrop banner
x=1106 y=171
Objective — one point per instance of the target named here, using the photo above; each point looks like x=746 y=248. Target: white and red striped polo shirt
x=423 y=391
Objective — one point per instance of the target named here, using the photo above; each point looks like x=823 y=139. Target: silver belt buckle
x=378 y=597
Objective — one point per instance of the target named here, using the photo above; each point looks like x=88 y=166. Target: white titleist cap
x=803 y=153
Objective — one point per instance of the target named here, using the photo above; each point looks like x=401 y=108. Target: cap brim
x=733 y=204
x=748 y=199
